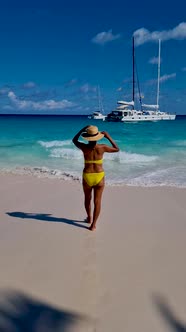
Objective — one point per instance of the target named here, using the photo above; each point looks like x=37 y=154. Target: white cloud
x=71 y=82
x=167 y=77
x=119 y=89
x=39 y=105
x=163 y=78
x=87 y=88
x=105 y=37
x=154 y=60
x=29 y=85
x=143 y=35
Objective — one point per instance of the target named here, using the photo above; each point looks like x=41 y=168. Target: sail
x=127 y=103
x=122 y=107
x=151 y=106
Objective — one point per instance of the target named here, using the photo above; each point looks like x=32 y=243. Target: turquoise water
x=150 y=154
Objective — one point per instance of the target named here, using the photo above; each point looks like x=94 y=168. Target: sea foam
x=70 y=154
x=127 y=157
x=51 y=144
x=43 y=172
x=171 y=177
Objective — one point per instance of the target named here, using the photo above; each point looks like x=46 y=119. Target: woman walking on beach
x=93 y=173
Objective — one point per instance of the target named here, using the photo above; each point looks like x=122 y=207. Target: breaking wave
x=66 y=153
x=65 y=149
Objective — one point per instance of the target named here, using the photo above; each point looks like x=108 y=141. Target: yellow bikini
x=100 y=161
x=92 y=179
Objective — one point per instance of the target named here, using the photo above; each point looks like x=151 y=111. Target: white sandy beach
x=55 y=275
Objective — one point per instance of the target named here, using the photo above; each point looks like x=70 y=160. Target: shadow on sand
x=168 y=315
x=46 y=217
x=21 y=313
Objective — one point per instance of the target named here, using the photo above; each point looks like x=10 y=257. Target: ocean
x=151 y=153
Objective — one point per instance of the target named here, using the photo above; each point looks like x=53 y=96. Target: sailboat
x=98 y=115
x=126 y=112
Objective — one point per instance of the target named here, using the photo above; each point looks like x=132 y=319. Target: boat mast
x=158 y=87
x=100 y=105
x=133 y=71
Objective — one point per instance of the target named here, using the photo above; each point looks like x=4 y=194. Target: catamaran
x=98 y=115
x=126 y=112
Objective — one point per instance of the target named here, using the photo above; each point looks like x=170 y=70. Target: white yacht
x=97 y=116
x=126 y=112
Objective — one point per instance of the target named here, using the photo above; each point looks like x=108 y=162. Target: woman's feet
x=92 y=228
x=89 y=221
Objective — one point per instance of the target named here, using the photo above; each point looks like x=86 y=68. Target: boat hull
x=139 y=118
x=96 y=117
x=148 y=118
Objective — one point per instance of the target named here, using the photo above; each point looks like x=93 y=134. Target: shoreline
x=54 y=174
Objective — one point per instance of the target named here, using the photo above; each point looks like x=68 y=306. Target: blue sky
x=54 y=54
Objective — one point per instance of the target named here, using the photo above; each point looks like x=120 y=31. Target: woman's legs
x=98 y=190
x=88 y=195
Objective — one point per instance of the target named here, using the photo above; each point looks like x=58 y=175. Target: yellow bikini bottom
x=92 y=179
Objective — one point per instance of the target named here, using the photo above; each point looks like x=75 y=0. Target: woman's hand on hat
x=106 y=135
x=84 y=128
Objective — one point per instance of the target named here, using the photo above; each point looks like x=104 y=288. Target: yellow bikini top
x=100 y=161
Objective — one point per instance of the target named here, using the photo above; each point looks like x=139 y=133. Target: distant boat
x=98 y=115
x=126 y=112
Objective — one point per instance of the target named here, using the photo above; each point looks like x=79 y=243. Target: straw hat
x=92 y=134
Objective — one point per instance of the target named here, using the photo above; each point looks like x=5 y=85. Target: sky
x=55 y=54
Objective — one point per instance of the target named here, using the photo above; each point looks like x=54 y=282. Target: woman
x=93 y=173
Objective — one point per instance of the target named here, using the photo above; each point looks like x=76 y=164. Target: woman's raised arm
x=76 y=137
x=114 y=147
